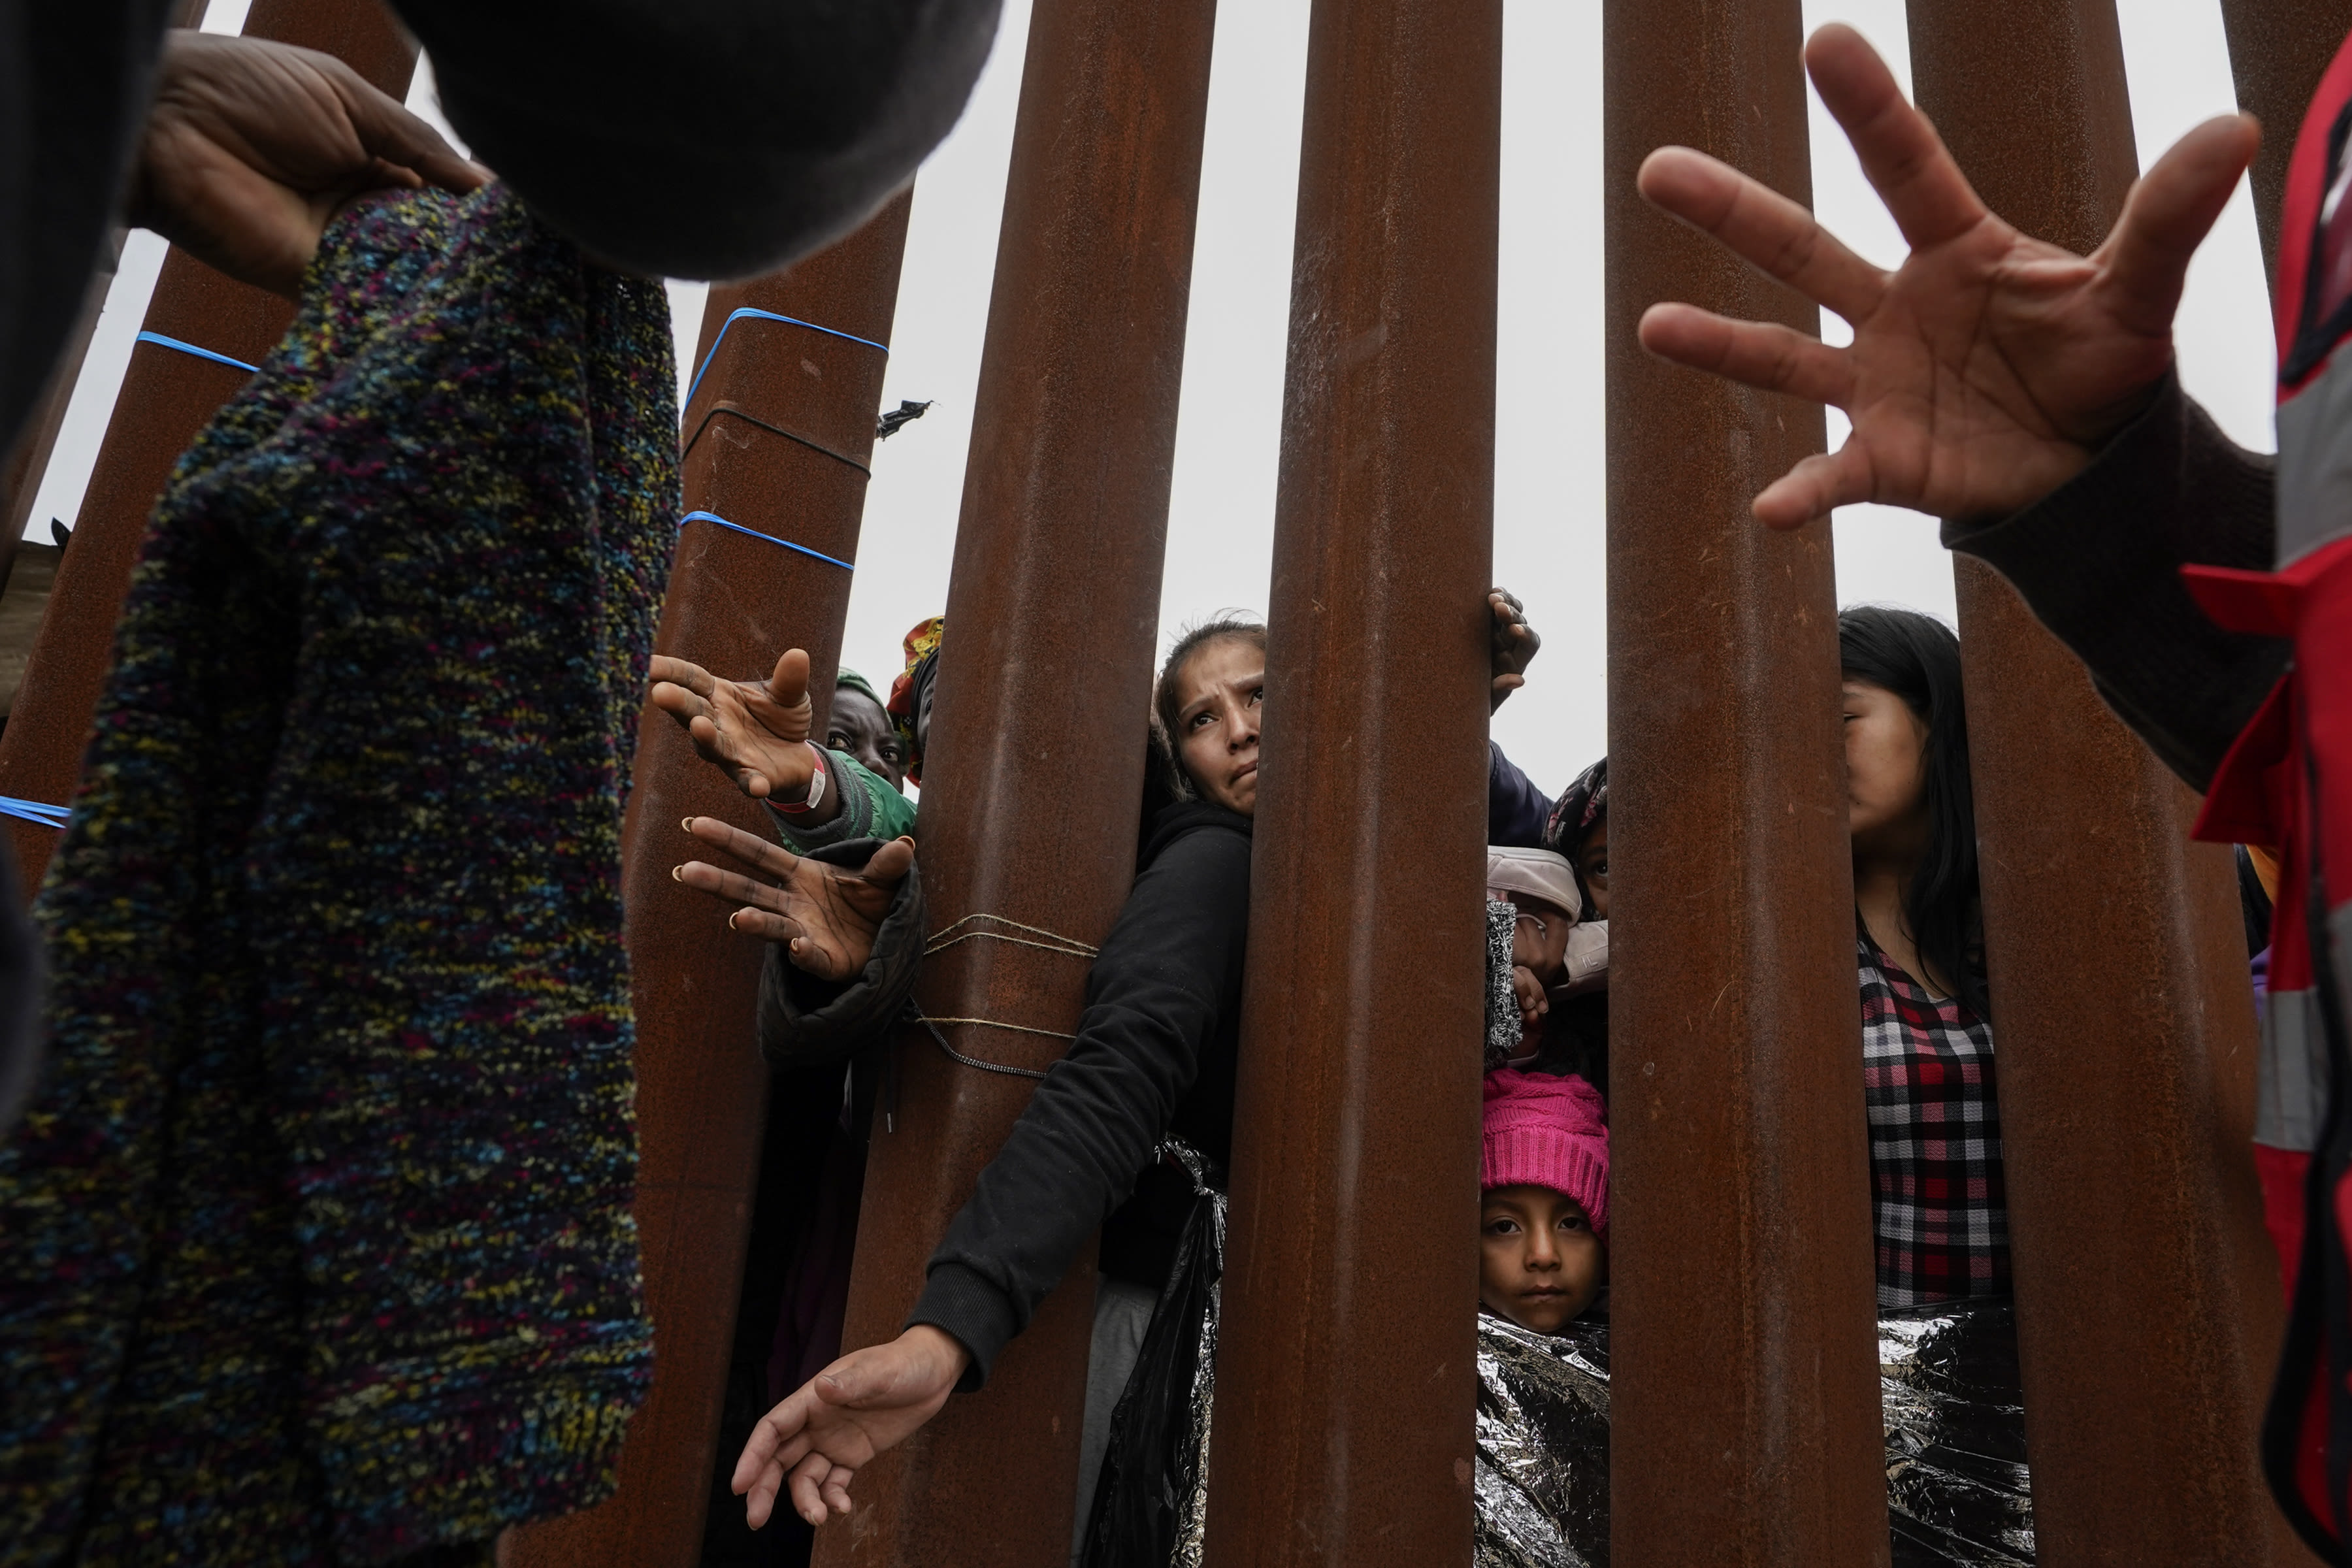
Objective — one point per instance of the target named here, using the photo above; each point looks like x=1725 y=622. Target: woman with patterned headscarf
x=910 y=694
x=1578 y=828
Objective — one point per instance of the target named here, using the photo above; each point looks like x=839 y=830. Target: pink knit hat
x=1548 y=1132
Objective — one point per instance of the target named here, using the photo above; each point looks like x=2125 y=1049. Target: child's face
x=1540 y=943
x=1539 y=1264
x=1592 y=865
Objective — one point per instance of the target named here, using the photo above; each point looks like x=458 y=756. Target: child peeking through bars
x=1544 y=1199
x=1542 y=1475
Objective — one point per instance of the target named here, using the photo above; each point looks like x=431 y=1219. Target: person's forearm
x=2099 y=560
x=831 y=790
x=1165 y=973
x=1515 y=809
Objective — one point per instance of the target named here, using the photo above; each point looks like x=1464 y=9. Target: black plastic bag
x=1149 y=1500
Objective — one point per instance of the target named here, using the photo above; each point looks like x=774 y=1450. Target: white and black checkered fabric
x=1936 y=1199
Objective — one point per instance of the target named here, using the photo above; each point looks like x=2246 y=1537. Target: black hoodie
x=1155 y=1054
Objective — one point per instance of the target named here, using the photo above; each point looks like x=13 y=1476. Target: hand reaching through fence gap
x=756 y=732
x=817 y=1440
x=824 y=915
x=1986 y=368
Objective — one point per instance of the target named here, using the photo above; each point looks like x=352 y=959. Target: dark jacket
x=2099 y=560
x=1156 y=1053
x=807 y=1022
x=1515 y=809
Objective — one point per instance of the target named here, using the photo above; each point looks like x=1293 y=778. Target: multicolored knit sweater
x=317 y=1244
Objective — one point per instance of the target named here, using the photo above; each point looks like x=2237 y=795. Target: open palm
x=1986 y=368
x=832 y=1426
x=825 y=915
x=755 y=732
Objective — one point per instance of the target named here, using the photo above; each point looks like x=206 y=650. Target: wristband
x=815 y=790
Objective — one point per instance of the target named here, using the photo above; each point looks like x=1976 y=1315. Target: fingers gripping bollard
x=776 y=439
x=168 y=396
x=2141 y=1408
x=1033 y=772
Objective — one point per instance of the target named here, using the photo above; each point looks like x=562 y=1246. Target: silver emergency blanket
x=1957 y=1489
x=1193 y=1514
x=1542 y=1479
x=1502 y=1028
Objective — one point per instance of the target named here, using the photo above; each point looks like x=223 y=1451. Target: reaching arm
x=756 y=732
x=2020 y=391
x=2099 y=561
x=1515 y=809
x=1166 y=972
x=1987 y=369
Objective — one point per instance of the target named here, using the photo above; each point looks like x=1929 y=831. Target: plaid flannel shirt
x=1937 y=1200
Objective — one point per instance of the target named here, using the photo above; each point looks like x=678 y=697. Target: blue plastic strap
x=33 y=811
x=747 y=311
x=714 y=517
x=160 y=341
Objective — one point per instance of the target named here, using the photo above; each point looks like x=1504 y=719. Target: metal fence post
x=1744 y=1405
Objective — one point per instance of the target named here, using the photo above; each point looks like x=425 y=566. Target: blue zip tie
x=160 y=341
x=33 y=811
x=714 y=517
x=758 y=316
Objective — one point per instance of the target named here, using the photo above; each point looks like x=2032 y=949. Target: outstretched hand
x=826 y=916
x=832 y=1426
x=251 y=147
x=754 y=732
x=1987 y=367
x=1515 y=645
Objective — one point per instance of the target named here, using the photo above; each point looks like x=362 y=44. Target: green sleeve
x=870 y=808
x=893 y=813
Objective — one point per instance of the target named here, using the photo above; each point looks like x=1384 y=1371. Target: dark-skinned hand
x=1986 y=368
x=754 y=732
x=826 y=916
x=1514 y=646
x=252 y=147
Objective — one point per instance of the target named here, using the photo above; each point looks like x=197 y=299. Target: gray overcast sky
x=1549 y=462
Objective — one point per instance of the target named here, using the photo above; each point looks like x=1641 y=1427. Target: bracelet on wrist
x=815 y=790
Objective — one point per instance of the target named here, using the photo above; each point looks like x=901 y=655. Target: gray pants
x=1122 y=1312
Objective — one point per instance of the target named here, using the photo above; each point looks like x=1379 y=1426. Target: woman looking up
x=1937 y=1198
x=1155 y=1055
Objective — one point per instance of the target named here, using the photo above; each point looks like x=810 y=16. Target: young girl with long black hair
x=1937 y=1194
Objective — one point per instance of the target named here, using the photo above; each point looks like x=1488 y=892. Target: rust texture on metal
x=1744 y=1409
x=1346 y=1380
x=2278 y=51
x=167 y=397
x=1034 y=774
x=2123 y=1016
x=734 y=603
